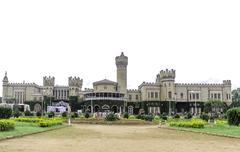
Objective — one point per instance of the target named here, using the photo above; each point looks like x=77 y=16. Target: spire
x=5 y=79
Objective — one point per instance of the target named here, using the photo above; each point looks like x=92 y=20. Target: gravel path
x=105 y=138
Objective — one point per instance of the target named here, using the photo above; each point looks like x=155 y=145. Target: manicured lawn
x=23 y=128
x=216 y=129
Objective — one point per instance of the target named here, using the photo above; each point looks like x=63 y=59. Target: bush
x=156 y=119
x=38 y=114
x=188 y=116
x=164 y=116
x=5 y=113
x=74 y=115
x=17 y=113
x=87 y=115
x=50 y=122
x=148 y=117
x=28 y=113
x=177 y=116
x=233 y=116
x=139 y=116
x=7 y=125
x=204 y=117
x=111 y=117
x=195 y=123
x=64 y=114
x=125 y=115
x=51 y=114
x=131 y=117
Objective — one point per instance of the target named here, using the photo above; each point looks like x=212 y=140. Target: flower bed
x=42 y=122
x=194 y=123
x=6 y=125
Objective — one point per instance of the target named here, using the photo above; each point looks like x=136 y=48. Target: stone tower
x=166 y=79
x=75 y=85
x=48 y=86
x=5 y=88
x=121 y=63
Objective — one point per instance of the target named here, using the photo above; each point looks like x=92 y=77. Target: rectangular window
x=193 y=95
x=219 y=96
x=136 y=97
x=152 y=94
x=197 y=95
x=181 y=95
x=148 y=94
x=215 y=96
x=156 y=94
x=130 y=97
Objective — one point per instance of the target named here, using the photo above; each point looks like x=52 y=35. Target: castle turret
x=121 y=63
x=48 y=85
x=5 y=88
x=166 y=79
x=75 y=85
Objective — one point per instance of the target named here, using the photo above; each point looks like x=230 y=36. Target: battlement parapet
x=133 y=91
x=199 y=84
x=48 y=81
x=148 y=84
x=166 y=74
x=24 y=84
x=75 y=82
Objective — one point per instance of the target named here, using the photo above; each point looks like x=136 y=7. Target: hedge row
x=6 y=125
x=29 y=119
x=50 y=122
x=188 y=124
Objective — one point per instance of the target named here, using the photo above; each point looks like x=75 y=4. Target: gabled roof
x=104 y=81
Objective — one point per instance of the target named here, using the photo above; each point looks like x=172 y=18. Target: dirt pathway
x=104 y=138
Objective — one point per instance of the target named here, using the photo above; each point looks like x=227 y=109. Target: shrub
x=74 y=115
x=156 y=119
x=164 y=116
x=111 y=117
x=50 y=122
x=51 y=114
x=177 y=116
x=38 y=114
x=204 y=117
x=188 y=116
x=87 y=115
x=17 y=113
x=28 y=113
x=6 y=125
x=5 y=113
x=125 y=115
x=64 y=114
x=28 y=119
x=139 y=116
x=233 y=116
x=131 y=117
x=148 y=117
x=195 y=123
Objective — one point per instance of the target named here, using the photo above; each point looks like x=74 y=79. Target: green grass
x=225 y=130
x=220 y=128
x=23 y=128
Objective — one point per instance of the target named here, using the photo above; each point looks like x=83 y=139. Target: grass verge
x=23 y=129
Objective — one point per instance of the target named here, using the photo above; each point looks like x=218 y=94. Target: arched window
x=181 y=95
x=130 y=110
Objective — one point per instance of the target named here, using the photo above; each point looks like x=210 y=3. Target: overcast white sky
x=200 y=39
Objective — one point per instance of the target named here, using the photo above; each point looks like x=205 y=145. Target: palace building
x=163 y=95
